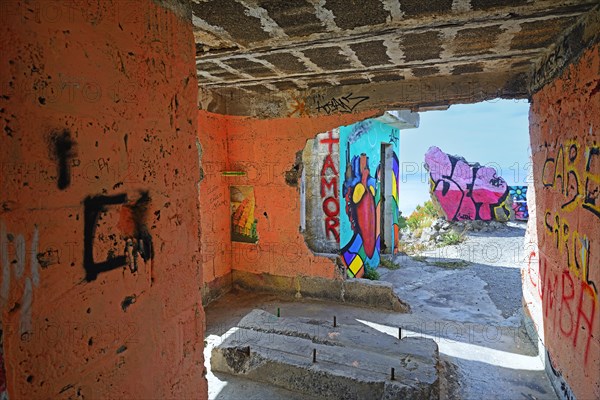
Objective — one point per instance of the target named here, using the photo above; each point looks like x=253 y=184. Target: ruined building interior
x=128 y=127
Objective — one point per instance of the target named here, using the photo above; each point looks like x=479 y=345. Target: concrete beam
x=571 y=45
x=400 y=94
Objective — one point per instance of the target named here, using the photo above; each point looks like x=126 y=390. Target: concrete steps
x=352 y=361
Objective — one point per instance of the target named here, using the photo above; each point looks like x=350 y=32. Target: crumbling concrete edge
x=356 y=292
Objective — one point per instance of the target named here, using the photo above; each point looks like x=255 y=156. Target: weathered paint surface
x=214 y=198
x=362 y=190
x=466 y=191
x=561 y=282
x=266 y=151
x=99 y=216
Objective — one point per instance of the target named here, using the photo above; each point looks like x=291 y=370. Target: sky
x=493 y=133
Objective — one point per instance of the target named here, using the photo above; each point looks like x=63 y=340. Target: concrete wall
x=214 y=206
x=320 y=195
x=362 y=192
x=561 y=282
x=99 y=220
x=267 y=152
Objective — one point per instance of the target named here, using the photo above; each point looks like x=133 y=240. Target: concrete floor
x=473 y=312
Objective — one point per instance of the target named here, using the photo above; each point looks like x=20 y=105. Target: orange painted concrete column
x=99 y=216
x=563 y=278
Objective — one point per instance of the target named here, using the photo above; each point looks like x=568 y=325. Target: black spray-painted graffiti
x=139 y=243
x=63 y=150
x=344 y=104
x=565 y=390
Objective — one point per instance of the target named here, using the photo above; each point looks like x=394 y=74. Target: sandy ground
x=466 y=297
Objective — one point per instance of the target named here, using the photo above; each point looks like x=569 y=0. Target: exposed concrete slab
x=360 y=292
x=490 y=357
x=343 y=335
x=352 y=362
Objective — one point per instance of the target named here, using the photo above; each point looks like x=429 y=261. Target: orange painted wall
x=265 y=150
x=214 y=197
x=563 y=278
x=118 y=80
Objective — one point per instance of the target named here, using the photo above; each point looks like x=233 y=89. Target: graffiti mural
x=466 y=191
x=349 y=192
x=243 y=223
x=320 y=192
x=562 y=280
x=395 y=197
x=362 y=194
x=519 y=202
x=329 y=189
x=360 y=235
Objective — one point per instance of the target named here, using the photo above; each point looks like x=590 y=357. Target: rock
x=437 y=224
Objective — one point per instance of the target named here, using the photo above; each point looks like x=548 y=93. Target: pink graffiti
x=466 y=191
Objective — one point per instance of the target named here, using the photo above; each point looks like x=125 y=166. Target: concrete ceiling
x=263 y=48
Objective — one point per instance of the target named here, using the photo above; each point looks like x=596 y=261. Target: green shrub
x=401 y=221
x=422 y=217
x=451 y=238
x=451 y=264
x=388 y=264
x=371 y=273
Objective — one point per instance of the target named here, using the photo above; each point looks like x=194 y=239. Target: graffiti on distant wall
x=329 y=189
x=396 y=200
x=362 y=191
x=243 y=223
x=519 y=202
x=466 y=191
